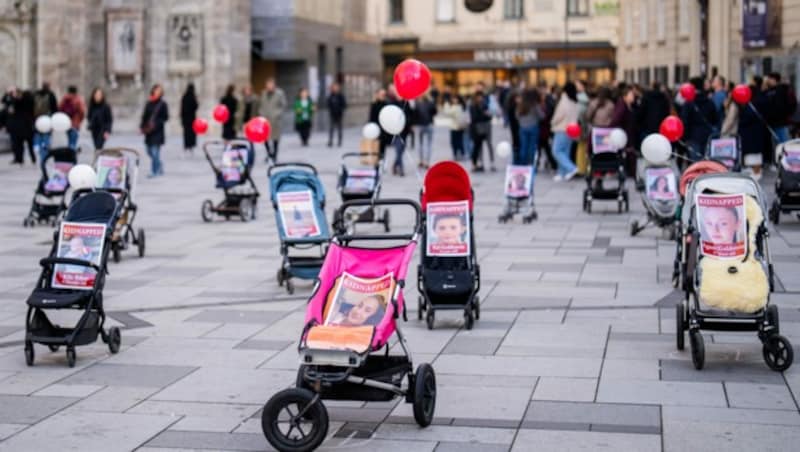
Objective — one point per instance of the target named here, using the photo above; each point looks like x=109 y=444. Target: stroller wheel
x=53 y=348
x=289 y=287
x=246 y=209
x=430 y=317
x=71 y=358
x=207 y=210
x=680 y=326
x=116 y=252
x=775 y=212
x=140 y=242
x=476 y=306
x=114 y=340
x=385 y=221
x=279 y=277
x=469 y=320
x=778 y=353
x=424 y=394
x=698 y=349
x=420 y=308
x=27 y=222
x=295 y=420
x=634 y=228
x=30 y=355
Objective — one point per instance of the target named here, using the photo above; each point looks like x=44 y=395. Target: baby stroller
x=73 y=278
x=448 y=276
x=729 y=263
x=605 y=161
x=362 y=182
x=299 y=201
x=233 y=177
x=344 y=353
x=787 y=186
x=117 y=171
x=519 y=194
x=49 y=200
x=725 y=151
x=660 y=198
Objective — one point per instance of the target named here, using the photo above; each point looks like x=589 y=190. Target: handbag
x=150 y=125
x=481 y=129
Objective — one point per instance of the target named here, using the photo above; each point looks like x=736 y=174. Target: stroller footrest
x=337 y=345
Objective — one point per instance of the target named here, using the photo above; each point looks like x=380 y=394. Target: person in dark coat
x=374 y=111
x=753 y=133
x=19 y=123
x=155 y=114
x=189 y=108
x=100 y=118
x=229 y=100
x=625 y=118
x=699 y=120
x=480 y=124
x=337 y=104
x=653 y=109
x=509 y=102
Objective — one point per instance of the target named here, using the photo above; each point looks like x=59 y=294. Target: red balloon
x=672 y=128
x=257 y=129
x=411 y=79
x=221 y=114
x=573 y=130
x=200 y=126
x=688 y=92
x=742 y=94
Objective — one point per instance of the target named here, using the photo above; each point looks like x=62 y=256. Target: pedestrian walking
x=550 y=96
x=18 y=106
x=529 y=113
x=189 y=106
x=624 y=118
x=454 y=113
x=73 y=106
x=782 y=105
x=399 y=141
x=100 y=118
x=44 y=104
x=510 y=98
x=273 y=104
x=378 y=102
x=249 y=105
x=719 y=96
x=699 y=118
x=303 y=114
x=479 y=128
x=566 y=112
x=654 y=107
x=232 y=104
x=154 y=116
x=424 y=112
x=753 y=133
x=337 y=104
x=730 y=125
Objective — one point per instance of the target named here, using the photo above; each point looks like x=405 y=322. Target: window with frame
x=643 y=18
x=661 y=21
x=512 y=9
x=644 y=76
x=445 y=11
x=578 y=8
x=661 y=74
x=681 y=73
x=396 y=11
x=684 y=26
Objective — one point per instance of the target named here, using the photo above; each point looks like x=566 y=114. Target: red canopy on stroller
x=446 y=181
x=698 y=169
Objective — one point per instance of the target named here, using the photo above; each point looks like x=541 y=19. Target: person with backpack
x=73 y=106
x=155 y=114
x=44 y=104
x=100 y=118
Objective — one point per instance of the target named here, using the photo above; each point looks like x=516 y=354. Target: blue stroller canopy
x=299 y=181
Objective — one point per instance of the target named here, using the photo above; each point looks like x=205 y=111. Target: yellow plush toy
x=736 y=285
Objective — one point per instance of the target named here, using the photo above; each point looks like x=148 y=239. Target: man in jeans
x=424 y=111
x=72 y=105
x=337 y=104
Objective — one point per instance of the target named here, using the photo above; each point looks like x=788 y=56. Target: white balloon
x=82 y=176
x=371 y=131
x=61 y=122
x=503 y=149
x=392 y=119
x=618 y=138
x=44 y=124
x=656 y=149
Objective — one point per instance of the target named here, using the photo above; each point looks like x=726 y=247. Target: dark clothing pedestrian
x=155 y=114
x=384 y=139
x=625 y=118
x=229 y=127
x=19 y=123
x=699 y=124
x=44 y=102
x=479 y=129
x=546 y=131
x=509 y=102
x=753 y=133
x=337 y=104
x=100 y=121
x=189 y=108
x=655 y=106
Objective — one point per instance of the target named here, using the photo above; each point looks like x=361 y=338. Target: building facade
x=672 y=40
x=537 y=41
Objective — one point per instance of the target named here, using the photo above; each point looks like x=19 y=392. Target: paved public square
x=575 y=348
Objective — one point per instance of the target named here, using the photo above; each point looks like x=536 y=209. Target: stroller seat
x=95 y=207
x=53 y=298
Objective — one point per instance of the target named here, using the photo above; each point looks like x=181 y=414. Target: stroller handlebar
x=283 y=166
x=378 y=203
x=47 y=261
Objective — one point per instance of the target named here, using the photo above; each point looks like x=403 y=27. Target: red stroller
x=350 y=318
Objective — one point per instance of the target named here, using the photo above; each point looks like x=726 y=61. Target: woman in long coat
x=273 y=104
x=189 y=108
x=154 y=116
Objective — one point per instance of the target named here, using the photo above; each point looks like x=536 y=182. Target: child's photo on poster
x=448 y=231
x=518 y=181
x=660 y=184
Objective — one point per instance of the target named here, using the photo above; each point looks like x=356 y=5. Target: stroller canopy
x=697 y=169
x=446 y=181
x=299 y=180
x=95 y=207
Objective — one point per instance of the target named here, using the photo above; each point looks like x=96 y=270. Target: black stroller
x=73 y=278
x=448 y=277
x=361 y=183
x=787 y=186
x=605 y=160
x=234 y=178
x=726 y=151
x=661 y=198
x=49 y=200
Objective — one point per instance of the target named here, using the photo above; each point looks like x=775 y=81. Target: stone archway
x=9 y=72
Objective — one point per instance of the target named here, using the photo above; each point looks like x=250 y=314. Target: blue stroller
x=233 y=177
x=298 y=198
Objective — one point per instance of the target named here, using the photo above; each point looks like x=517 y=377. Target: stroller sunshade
x=446 y=181
x=95 y=207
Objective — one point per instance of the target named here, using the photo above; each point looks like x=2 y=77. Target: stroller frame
x=369 y=214
x=690 y=315
x=243 y=205
x=737 y=164
x=373 y=375
x=787 y=199
x=672 y=225
x=39 y=329
x=595 y=191
x=39 y=212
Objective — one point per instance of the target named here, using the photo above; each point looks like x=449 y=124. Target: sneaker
x=558 y=178
x=571 y=174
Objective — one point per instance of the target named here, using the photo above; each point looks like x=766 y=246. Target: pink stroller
x=344 y=347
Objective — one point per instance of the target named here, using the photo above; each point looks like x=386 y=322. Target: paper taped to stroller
x=722 y=225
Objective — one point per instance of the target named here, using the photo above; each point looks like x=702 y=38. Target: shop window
x=577 y=7
x=681 y=73
x=643 y=78
x=661 y=74
x=512 y=9
x=395 y=11
x=445 y=11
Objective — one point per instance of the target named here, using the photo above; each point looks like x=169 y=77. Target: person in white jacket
x=455 y=115
x=566 y=113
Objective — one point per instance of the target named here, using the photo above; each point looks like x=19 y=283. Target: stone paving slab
x=573 y=441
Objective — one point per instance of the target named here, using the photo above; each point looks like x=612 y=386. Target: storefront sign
x=514 y=56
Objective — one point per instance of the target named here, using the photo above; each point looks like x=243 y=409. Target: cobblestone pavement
x=575 y=348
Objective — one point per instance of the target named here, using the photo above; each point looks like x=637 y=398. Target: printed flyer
x=78 y=241
x=723 y=232
x=791 y=158
x=660 y=184
x=58 y=177
x=360 y=181
x=518 y=181
x=233 y=164
x=297 y=214
x=111 y=172
x=601 y=140
x=360 y=301
x=724 y=150
x=448 y=229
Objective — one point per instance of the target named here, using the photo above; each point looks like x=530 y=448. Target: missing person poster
x=58 y=177
x=661 y=184
x=360 y=181
x=724 y=150
x=601 y=140
x=519 y=180
x=723 y=232
x=360 y=301
x=791 y=157
x=111 y=172
x=78 y=241
x=297 y=214
x=448 y=229
x=233 y=164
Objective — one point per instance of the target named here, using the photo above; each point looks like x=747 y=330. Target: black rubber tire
x=299 y=381
x=634 y=228
x=116 y=252
x=698 y=349
x=773 y=318
x=30 y=355
x=680 y=326
x=114 y=340
x=316 y=417
x=588 y=206
x=289 y=287
x=386 y=224
x=71 y=357
x=476 y=306
x=778 y=353
x=53 y=348
x=420 y=308
x=207 y=210
x=246 y=209
x=619 y=206
x=469 y=320
x=424 y=395
x=430 y=318
x=775 y=213
x=140 y=242
x=279 y=277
